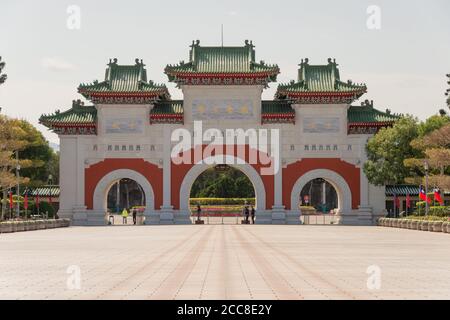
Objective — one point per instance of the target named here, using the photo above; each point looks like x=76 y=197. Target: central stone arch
x=247 y=169
x=103 y=186
x=343 y=190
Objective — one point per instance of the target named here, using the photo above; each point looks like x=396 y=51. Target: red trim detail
x=97 y=171
x=370 y=124
x=321 y=94
x=348 y=171
x=222 y=75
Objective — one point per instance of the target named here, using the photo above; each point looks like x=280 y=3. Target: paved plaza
x=224 y=262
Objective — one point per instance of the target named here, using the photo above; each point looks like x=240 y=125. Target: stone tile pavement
x=225 y=262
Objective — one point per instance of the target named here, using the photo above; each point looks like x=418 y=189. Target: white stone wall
x=153 y=144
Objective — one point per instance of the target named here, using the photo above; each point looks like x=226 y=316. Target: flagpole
x=426 y=187
x=18 y=184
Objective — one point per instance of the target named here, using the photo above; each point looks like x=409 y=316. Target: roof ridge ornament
x=139 y=63
x=367 y=103
x=304 y=62
x=77 y=104
x=112 y=62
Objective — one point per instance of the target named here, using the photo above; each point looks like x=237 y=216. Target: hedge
x=440 y=211
x=221 y=201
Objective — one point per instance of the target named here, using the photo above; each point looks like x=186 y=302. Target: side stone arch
x=336 y=180
x=105 y=183
x=234 y=162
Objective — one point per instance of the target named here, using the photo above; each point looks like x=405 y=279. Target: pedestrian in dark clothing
x=134 y=215
x=252 y=212
x=199 y=212
x=246 y=213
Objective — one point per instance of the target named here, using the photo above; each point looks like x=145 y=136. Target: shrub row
x=440 y=211
x=29 y=225
x=221 y=201
x=413 y=224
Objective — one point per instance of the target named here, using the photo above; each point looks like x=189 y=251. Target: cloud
x=56 y=64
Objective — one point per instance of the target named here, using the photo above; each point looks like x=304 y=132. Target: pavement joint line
x=208 y=267
x=171 y=251
x=270 y=246
x=266 y=270
x=176 y=271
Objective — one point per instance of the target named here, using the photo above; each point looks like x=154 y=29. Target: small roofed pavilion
x=222 y=66
x=124 y=84
x=320 y=84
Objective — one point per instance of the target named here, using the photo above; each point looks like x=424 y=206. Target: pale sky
x=403 y=63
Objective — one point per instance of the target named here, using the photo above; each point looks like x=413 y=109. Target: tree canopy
x=398 y=154
x=2 y=75
x=36 y=159
x=447 y=93
x=388 y=149
x=231 y=183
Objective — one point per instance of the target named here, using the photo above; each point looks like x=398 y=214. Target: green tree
x=387 y=150
x=244 y=187
x=231 y=183
x=12 y=139
x=40 y=153
x=435 y=148
x=2 y=75
x=447 y=93
x=223 y=187
x=432 y=123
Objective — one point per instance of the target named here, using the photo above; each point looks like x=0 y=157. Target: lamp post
x=426 y=167
x=18 y=183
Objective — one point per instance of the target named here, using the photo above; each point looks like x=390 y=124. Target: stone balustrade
x=30 y=225
x=422 y=225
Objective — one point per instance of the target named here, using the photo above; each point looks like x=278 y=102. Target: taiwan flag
x=437 y=196
x=423 y=196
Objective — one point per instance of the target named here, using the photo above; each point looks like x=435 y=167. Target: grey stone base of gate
x=81 y=217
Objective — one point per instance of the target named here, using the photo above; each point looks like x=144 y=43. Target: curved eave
x=173 y=75
x=156 y=93
x=55 y=125
x=293 y=94
x=373 y=123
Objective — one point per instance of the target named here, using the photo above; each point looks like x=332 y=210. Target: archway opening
x=125 y=194
x=319 y=195
x=222 y=194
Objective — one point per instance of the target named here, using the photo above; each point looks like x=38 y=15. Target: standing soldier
x=134 y=215
x=199 y=212
x=246 y=212
x=252 y=212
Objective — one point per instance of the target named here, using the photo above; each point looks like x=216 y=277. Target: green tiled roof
x=366 y=113
x=168 y=107
x=44 y=191
x=319 y=79
x=276 y=107
x=222 y=60
x=124 y=79
x=77 y=115
x=404 y=189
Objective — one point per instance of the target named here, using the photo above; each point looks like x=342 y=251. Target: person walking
x=252 y=213
x=134 y=215
x=124 y=215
